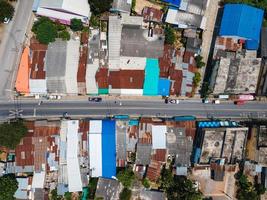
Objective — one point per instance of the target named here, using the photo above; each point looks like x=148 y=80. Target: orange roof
x=22 y=82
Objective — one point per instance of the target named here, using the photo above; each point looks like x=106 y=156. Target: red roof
x=152 y=14
x=153 y=171
x=82 y=64
x=102 y=78
x=38 y=52
x=128 y=79
x=160 y=155
x=165 y=62
x=177 y=77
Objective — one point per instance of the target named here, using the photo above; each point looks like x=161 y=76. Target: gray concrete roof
x=109 y=189
x=122 y=5
x=264 y=42
x=136 y=43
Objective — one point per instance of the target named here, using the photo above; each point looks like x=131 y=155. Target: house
x=61 y=64
x=24 y=187
x=152 y=195
x=63 y=10
x=121 y=149
x=143 y=154
x=108 y=189
x=173 y=2
x=242 y=22
x=121 y=6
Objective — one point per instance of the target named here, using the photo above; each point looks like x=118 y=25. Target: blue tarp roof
x=164 y=87
x=108 y=149
x=173 y=2
x=242 y=21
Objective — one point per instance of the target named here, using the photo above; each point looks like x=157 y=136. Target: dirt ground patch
x=140 y=4
x=251 y=145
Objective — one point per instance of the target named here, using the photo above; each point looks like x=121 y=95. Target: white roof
x=58 y=14
x=138 y=92
x=73 y=167
x=171 y=17
x=72 y=63
x=159 y=137
x=130 y=63
x=79 y=7
x=95 y=153
x=95 y=126
x=38 y=180
x=38 y=86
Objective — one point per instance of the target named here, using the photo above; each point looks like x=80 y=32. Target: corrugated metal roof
x=159 y=137
x=153 y=170
x=152 y=14
x=121 y=5
x=127 y=79
x=102 y=78
x=164 y=87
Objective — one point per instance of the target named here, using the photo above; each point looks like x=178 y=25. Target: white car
x=6 y=20
x=216 y=101
x=174 y=101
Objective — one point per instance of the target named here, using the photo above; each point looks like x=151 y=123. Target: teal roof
x=151 y=77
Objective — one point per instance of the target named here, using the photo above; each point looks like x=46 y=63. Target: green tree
x=40 y=21
x=76 y=24
x=54 y=196
x=64 y=35
x=133 y=5
x=94 y=21
x=169 y=35
x=92 y=187
x=197 y=78
x=67 y=196
x=166 y=178
x=182 y=188
x=6 y=11
x=125 y=194
x=246 y=189
x=146 y=183
x=46 y=32
x=8 y=187
x=126 y=177
x=11 y=133
x=199 y=61
x=98 y=7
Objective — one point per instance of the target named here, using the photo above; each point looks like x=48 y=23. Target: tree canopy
x=6 y=11
x=11 y=133
x=64 y=35
x=197 y=78
x=8 y=187
x=125 y=194
x=169 y=35
x=76 y=24
x=98 y=7
x=45 y=30
x=126 y=177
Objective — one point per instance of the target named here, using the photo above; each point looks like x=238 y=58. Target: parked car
x=6 y=20
x=205 y=101
x=216 y=101
x=95 y=99
x=172 y=101
x=239 y=102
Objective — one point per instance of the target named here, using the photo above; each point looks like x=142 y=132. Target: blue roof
x=164 y=87
x=151 y=77
x=242 y=21
x=108 y=149
x=173 y=2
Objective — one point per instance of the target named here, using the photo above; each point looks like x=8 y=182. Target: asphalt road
x=11 y=46
x=83 y=108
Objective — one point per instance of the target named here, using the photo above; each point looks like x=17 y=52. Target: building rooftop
x=122 y=5
x=243 y=21
x=152 y=14
x=135 y=42
x=143 y=154
x=228 y=143
x=237 y=75
x=264 y=42
x=152 y=195
x=153 y=170
x=108 y=188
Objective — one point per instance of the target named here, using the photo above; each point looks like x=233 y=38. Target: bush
x=169 y=35
x=6 y=11
x=76 y=24
x=94 y=21
x=197 y=78
x=199 y=61
x=125 y=194
x=64 y=35
x=11 y=133
x=40 y=21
